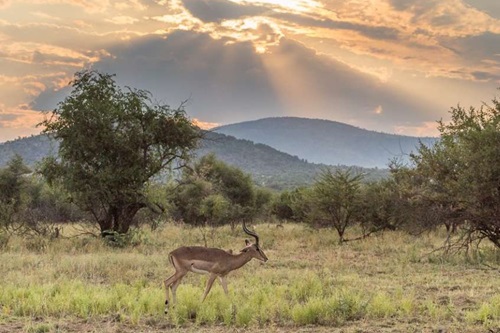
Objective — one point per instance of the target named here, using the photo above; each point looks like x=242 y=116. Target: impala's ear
x=247 y=242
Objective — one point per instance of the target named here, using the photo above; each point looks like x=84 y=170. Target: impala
x=215 y=262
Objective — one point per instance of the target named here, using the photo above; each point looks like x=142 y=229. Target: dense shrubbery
x=214 y=193
x=29 y=206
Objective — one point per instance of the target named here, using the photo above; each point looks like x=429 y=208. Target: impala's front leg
x=210 y=282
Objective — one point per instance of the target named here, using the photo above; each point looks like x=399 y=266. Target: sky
x=394 y=66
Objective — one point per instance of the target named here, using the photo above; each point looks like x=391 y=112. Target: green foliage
x=112 y=142
x=214 y=193
x=293 y=205
x=335 y=199
x=488 y=312
x=461 y=173
x=13 y=183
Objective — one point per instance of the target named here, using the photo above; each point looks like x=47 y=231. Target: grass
x=384 y=283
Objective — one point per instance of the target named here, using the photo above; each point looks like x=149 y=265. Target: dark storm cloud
x=230 y=82
x=7 y=117
x=222 y=81
x=218 y=10
x=480 y=49
x=485 y=45
x=491 y=7
x=366 y=30
x=401 y=4
x=48 y=99
x=43 y=58
x=417 y=6
x=444 y=20
x=485 y=76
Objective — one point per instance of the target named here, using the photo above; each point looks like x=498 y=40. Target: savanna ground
x=392 y=282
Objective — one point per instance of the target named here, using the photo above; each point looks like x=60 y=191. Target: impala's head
x=253 y=249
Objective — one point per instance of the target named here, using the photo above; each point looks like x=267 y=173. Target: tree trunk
x=119 y=218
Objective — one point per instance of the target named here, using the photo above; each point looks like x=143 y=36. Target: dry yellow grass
x=386 y=283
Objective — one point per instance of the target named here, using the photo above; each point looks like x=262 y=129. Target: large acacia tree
x=463 y=170
x=112 y=142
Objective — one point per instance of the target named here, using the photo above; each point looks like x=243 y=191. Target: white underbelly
x=196 y=267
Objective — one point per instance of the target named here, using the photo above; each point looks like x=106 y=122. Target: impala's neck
x=239 y=260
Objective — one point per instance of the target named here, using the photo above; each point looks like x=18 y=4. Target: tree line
x=125 y=159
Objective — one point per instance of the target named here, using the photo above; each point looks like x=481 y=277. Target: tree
x=462 y=170
x=212 y=192
x=335 y=199
x=12 y=189
x=112 y=142
x=378 y=209
x=293 y=205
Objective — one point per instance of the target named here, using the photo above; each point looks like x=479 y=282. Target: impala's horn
x=251 y=233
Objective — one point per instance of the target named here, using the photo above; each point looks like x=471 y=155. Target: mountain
x=32 y=149
x=267 y=166
x=327 y=142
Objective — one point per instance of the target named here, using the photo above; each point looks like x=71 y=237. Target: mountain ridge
x=326 y=141
x=267 y=166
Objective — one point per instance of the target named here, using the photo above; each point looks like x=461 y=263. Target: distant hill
x=32 y=149
x=267 y=166
x=327 y=142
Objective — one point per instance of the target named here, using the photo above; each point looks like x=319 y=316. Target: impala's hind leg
x=172 y=283
x=174 y=289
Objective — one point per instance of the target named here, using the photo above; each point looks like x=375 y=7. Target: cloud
x=424 y=129
x=376 y=32
x=244 y=60
x=480 y=55
x=491 y=7
x=221 y=81
x=92 y=6
x=18 y=121
x=122 y=20
x=218 y=10
x=226 y=81
x=205 y=125
x=5 y=3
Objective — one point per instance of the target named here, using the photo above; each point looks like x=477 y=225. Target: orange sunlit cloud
x=18 y=121
x=205 y=125
x=425 y=129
